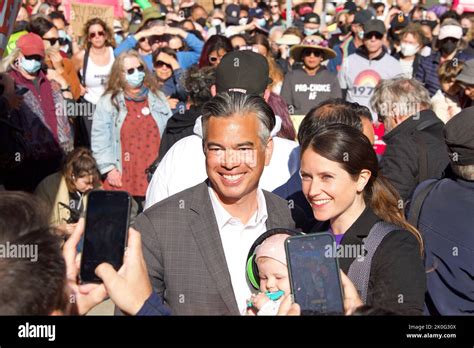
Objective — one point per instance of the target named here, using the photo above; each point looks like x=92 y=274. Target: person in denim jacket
x=128 y=124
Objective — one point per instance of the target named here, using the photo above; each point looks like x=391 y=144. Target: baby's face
x=273 y=275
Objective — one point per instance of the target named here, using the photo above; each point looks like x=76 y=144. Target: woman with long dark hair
x=169 y=72
x=216 y=47
x=341 y=181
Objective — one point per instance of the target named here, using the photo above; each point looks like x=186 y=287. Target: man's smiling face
x=235 y=156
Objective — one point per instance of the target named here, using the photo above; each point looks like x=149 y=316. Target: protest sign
x=81 y=13
x=116 y=4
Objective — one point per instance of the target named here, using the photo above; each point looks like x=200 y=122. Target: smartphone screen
x=106 y=230
x=314 y=274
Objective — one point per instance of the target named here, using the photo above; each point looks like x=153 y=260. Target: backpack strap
x=417 y=203
x=359 y=271
x=84 y=67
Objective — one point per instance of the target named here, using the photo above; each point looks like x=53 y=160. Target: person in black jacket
x=413 y=133
x=443 y=211
x=341 y=181
x=197 y=83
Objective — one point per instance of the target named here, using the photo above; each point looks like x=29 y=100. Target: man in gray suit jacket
x=195 y=243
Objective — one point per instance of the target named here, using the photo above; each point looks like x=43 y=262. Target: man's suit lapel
x=206 y=234
x=278 y=216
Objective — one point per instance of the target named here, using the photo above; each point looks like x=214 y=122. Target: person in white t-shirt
x=94 y=64
x=173 y=174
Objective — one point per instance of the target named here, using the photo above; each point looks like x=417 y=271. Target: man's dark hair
x=361 y=111
x=39 y=26
x=228 y=104
x=330 y=111
x=57 y=15
x=29 y=285
x=449 y=14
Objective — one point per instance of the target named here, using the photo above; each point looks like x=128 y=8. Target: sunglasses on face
x=34 y=57
x=53 y=41
x=159 y=64
x=99 y=33
x=369 y=36
x=139 y=68
x=213 y=59
x=316 y=53
x=274 y=6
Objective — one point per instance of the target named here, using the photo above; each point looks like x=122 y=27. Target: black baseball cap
x=350 y=6
x=399 y=22
x=312 y=18
x=458 y=133
x=374 y=26
x=242 y=71
x=361 y=17
x=232 y=13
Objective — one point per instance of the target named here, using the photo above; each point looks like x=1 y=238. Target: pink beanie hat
x=273 y=247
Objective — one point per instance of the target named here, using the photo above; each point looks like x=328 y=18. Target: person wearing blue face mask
x=128 y=124
x=118 y=32
x=40 y=115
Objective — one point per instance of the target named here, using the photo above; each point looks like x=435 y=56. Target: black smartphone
x=106 y=232
x=314 y=274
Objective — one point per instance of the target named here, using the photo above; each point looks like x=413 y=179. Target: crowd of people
x=222 y=123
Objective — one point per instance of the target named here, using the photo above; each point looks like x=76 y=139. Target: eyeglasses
x=99 y=33
x=274 y=6
x=139 y=68
x=159 y=64
x=307 y=53
x=52 y=40
x=369 y=36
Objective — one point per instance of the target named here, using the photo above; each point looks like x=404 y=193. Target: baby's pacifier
x=274 y=296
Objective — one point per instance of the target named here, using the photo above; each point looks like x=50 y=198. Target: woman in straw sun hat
x=305 y=88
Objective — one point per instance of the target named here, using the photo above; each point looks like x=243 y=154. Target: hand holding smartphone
x=314 y=274
x=106 y=231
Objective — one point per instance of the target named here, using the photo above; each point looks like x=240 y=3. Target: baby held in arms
x=270 y=258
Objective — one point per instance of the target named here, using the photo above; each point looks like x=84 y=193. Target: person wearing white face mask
x=217 y=22
x=128 y=124
x=411 y=42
